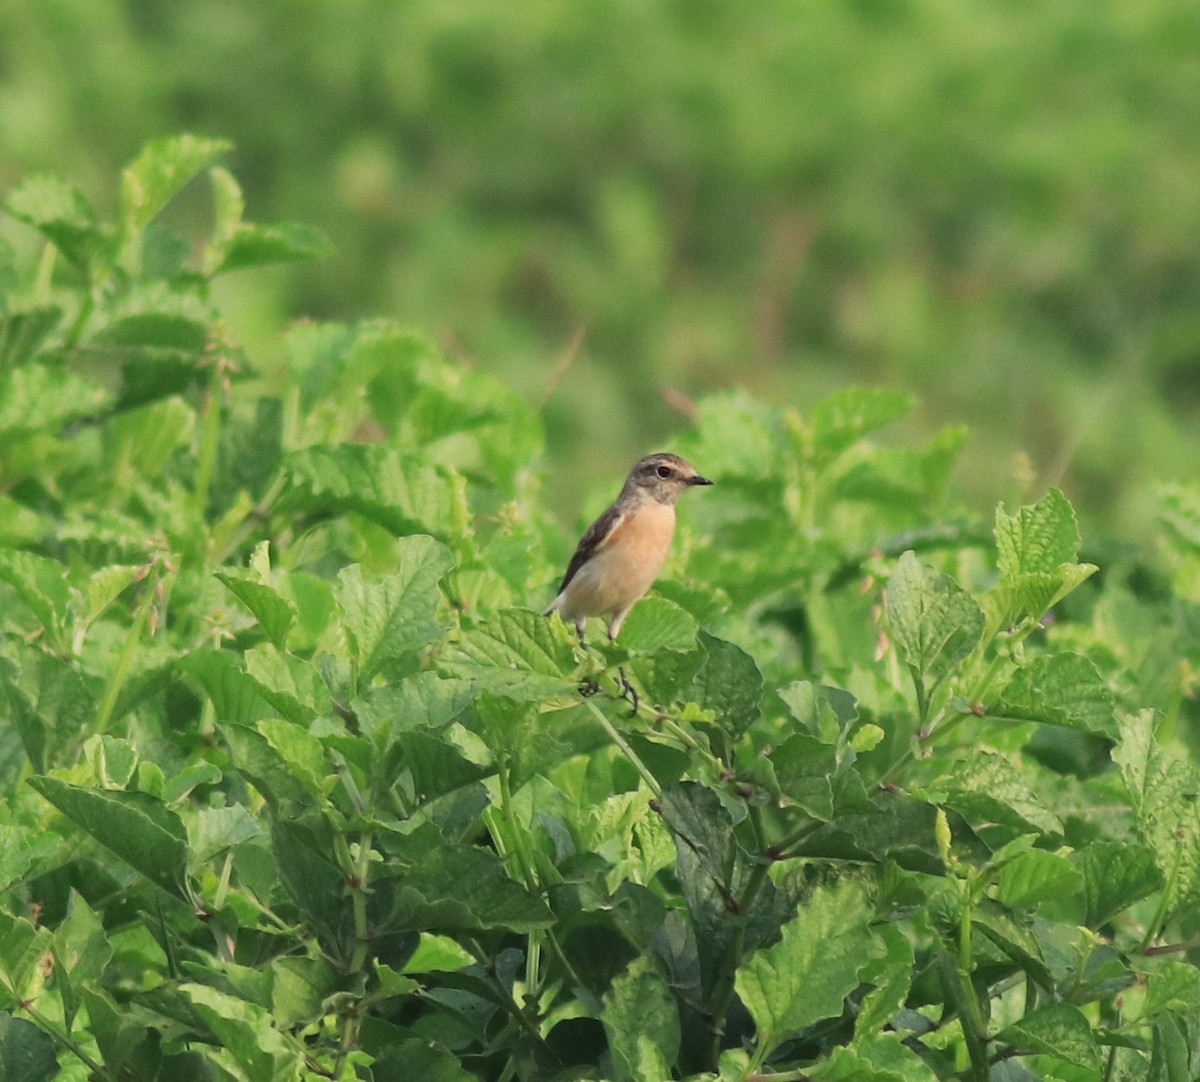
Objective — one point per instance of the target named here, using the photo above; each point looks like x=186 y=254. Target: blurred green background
x=621 y=205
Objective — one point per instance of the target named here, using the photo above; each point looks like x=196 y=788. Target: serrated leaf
x=42 y=398
x=105 y=586
x=302 y=752
x=892 y=975
x=20 y=848
x=404 y=494
x=658 y=624
x=159 y=171
x=1115 y=875
x=22 y=947
x=844 y=417
x=808 y=974
x=396 y=615
x=26 y=1053
x=983 y=786
x=126 y=1044
x=460 y=888
x=60 y=213
x=42 y=585
x=1036 y=876
x=235 y=695
x=1057 y=1029
x=728 y=683
x=214 y=830
x=424 y=700
x=81 y=951
x=641 y=1019
x=880 y=1057
x=936 y=624
x=283 y=242
x=246 y=1032
x=1038 y=538
x=273 y=611
x=802 y=769
x=23 y=331
x=516 y=654
x=433 y=767
x=1164 y=790
x=1060 y=689
x=140 y=830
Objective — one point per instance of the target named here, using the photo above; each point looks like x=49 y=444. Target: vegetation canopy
x=298 y=784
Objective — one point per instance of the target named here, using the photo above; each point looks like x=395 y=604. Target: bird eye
x=663 y=472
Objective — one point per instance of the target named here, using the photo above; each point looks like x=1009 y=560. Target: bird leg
x=628 y=691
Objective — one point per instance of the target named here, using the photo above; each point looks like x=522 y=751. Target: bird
x=622 y=552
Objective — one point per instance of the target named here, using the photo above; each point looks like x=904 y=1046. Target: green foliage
x=299 y=784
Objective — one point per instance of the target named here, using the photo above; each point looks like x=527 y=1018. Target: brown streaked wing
x=597 y=536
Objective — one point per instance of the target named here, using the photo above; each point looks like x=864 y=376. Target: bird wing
x=599 y=534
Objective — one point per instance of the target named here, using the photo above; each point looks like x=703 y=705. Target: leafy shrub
x=300 y=785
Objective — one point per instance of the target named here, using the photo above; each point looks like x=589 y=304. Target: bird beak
x=698 y=480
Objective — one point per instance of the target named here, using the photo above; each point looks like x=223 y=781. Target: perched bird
x=622 y=552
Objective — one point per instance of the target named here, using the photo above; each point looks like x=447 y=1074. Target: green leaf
x=1164 y=790
x=1115 y=875
x=424 y=700
x=808 y=974
x=43 y=398
x=273 y=611
x=1173 y=988
x=1036 y=550
x=162 y=168
x=880 y=1057
x=245 y=1031
x=23 y=331
x=403 y=494
x=105 y=586
x=396 y=615
x=22 y=947
x=1035 y=876
x=418 y=1058
x=140 y=830
x=658 y=624
x=20 y=848
x=42 y=585
x=460 y=888
x=216 y=830
x=1057 y=1029
x=62 y=215
x=302 y=753
x=1060 y=689
x=983 y=786
x=516 y=654
x=1038 y=538
x=728 y=683
x=26 y=1053
x=431 y=767
x=284 y=242
x=81 y=952
x=129 y=1048
x=641 y=1019
x=300 y=988
x=843 y=418
x=935 y=622
x=235 y=695
x=892 y=976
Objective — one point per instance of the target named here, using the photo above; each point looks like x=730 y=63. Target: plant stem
x=650 y=780
x=210 y=434
x=50 y=1029
x=125 y=661
x=722 y=994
